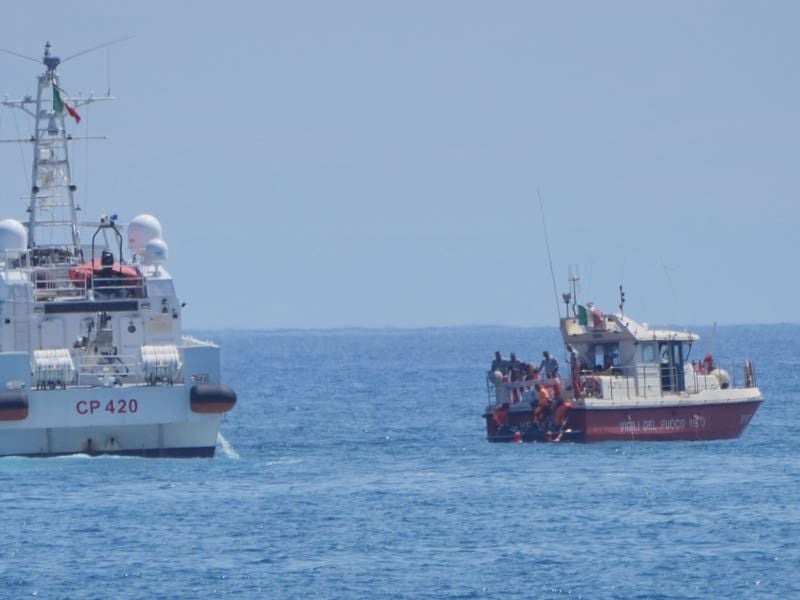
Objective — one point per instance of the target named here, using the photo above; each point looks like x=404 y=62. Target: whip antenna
x=549 y=257
x=98 y=47
x=18 y=55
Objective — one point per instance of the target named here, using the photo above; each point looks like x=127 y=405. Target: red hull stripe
x=211 y=407
x=699 y=422
x=13 y=414
x=716 y=421
x=13 y=406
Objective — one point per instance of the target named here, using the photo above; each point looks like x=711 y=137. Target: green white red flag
x=62 y=101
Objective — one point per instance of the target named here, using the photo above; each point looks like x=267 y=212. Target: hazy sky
x=325 y=164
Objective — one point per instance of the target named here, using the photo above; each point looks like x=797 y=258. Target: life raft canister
x=211 y=398
x=13 y=406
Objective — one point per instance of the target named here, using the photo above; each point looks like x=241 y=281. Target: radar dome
x=141 y=230
x=155 y=252
x=13 y=236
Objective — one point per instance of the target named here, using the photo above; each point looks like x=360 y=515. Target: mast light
x=51 y=62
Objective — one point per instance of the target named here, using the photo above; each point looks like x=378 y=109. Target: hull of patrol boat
x=669 y=423
x=132 y=420
x=680 y=421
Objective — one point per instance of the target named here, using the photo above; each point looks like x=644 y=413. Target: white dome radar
x=142 y=230
x=13 y=236
x=155 y=252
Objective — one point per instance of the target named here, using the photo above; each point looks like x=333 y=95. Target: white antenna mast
x=574 y=278
x=52 y=207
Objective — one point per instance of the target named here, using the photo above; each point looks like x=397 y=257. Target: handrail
x=118 y=368
x=50 y=283
x=663 y=379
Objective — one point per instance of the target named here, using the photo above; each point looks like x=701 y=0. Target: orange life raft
x=115 y=274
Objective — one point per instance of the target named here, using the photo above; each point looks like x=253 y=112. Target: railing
x=512 y=392
x=642 y=380
x=108 y=370
x=490 y=387
x=51 y=283
x=55 y=282
x=118 y=287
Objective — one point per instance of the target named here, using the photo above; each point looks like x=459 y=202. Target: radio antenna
x=18 y=55
x=98 y=47
x=549 y=257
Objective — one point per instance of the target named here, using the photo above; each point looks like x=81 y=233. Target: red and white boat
x=623 y=381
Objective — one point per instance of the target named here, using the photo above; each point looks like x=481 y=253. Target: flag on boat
x=61 y=101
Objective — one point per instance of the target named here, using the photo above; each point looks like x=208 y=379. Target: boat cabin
x=616 y=345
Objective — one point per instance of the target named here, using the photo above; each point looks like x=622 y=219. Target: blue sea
x=355 y=465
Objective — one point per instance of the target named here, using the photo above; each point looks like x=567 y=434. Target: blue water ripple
x=363 y=472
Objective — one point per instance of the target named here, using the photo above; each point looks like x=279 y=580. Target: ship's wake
x=226 y=448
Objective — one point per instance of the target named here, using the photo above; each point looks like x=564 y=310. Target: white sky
x=325 y=164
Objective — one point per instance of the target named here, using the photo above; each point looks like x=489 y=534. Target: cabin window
x=649 y=352
x=605 y=356
x=672 y=356
x=673 y=352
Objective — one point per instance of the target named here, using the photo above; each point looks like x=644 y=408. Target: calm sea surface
x=355 y=466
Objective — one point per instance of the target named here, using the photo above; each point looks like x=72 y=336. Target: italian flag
x=61 y=101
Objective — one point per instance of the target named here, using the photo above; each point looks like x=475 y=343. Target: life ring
x=592 y=386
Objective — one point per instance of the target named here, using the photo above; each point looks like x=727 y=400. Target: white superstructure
x=92 y=358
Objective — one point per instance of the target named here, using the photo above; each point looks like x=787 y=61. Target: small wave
x=66 y=457
x=84 y=456
x=77 y=456
x=284 y=461
x=227 y=449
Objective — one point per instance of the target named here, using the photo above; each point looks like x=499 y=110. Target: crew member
x=516 y=367
x=499 y=363
x=500 y=417
x=549 y=365
x=542 y=407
